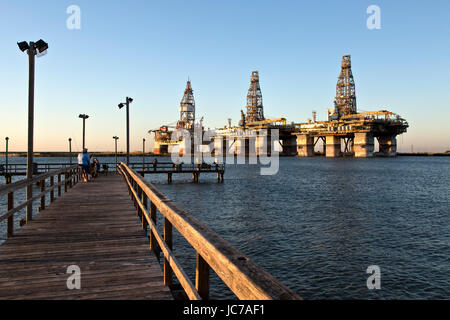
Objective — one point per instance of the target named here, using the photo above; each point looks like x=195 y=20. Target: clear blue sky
x=148 y=49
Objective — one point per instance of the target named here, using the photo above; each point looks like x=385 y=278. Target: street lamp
x=6 y=158
x=121 y=105
x=116 y=138
x=143 y=155
x=33 y=49
x=70 y=151
x=84 y=117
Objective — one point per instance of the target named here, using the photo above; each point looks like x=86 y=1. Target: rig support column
x=363 y=145
x=388 y=145
x=333 y=146
x=220 y=146
x=289 y=144
x=263 y=143
x=242 y=146
x=305 y=145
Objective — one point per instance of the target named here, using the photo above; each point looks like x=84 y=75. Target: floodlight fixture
x=23 y=46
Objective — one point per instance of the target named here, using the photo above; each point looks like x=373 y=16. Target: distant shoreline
x=151 y=154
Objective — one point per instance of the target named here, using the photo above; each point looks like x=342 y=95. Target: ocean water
x=319 y=223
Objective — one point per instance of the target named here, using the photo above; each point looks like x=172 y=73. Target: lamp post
x=6 y=158
x=115 y=152
x=143 y=155
x=121 y=105
x=84 y=117
x=33 y=49
x=70 y=151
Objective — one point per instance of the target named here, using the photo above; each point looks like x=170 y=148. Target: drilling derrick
x=187 y=109
x=345 y=101
x=254 y=100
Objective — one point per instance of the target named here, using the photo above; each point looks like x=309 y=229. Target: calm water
x=319 y=223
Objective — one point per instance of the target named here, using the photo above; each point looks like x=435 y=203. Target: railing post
x=42 y=182
x=52 y=192
x=70 y=179
x=65 y=181
x=59 y=184
x=10 y=206
x=153 y=243
x=145 y=203
x=202 y=278
x=168 y=276
x=139 y=196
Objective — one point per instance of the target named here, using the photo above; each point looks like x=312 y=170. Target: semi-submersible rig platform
x=345 y=133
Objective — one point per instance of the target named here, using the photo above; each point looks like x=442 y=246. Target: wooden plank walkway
x=95 y=227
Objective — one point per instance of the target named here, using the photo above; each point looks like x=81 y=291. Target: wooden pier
x=96 y=227
x=92 y=229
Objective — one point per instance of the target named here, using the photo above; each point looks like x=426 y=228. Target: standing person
x=84 y=161
x=96 y=166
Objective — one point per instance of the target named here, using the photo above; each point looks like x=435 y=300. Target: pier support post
x=388 y=145
x=169 y=178
x=305 y=145
x=333 y=146
x=363 y=145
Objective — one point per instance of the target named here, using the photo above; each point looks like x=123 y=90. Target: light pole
x=115 y=152
x=70 y=151
x=32 y=48
x=6 y=158
x=121 y=105
x=84 y=117
x=143 y=154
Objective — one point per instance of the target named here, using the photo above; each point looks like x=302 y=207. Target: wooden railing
x=240 y=274
x=16 y=169
x=71 y=176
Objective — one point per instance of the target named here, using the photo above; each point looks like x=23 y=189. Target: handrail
x=242 y=276
x=25 y=182
x=71 y=177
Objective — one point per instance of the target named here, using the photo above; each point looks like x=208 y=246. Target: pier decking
x=93 y=229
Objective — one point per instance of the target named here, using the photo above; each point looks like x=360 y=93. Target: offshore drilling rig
x=345 y=127
x=345 y=133
x=245 y=139
x=163 y=136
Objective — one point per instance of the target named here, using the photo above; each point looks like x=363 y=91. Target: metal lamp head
x=121 y=105
x=41 y=45
x=23 y=46
x=130 y=100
